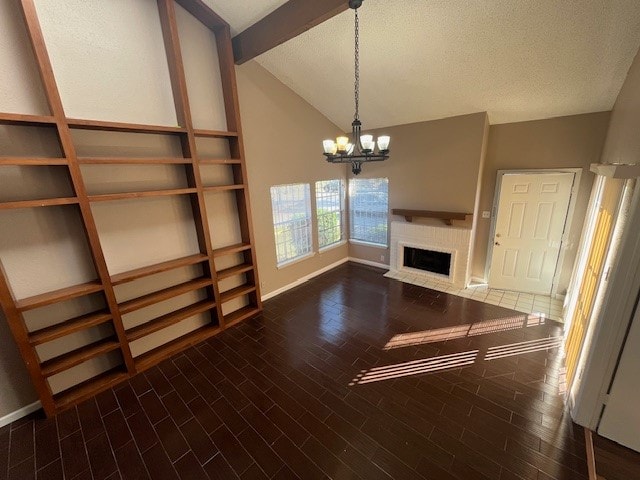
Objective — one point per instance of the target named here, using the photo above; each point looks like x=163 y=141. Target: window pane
x=369 y=209
x=291 y=221
x=330 y=211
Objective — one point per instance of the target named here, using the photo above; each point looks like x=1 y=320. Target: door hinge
x=606 y=274
x=605 y=399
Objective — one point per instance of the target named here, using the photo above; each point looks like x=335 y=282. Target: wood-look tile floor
x=351 y=375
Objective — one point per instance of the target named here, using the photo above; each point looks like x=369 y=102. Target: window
x=291 y=221
x=369 y=209
x=330 y=212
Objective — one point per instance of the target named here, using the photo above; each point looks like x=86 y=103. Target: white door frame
x=577 y=173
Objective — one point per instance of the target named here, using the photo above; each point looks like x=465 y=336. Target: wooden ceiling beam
x=284 y=23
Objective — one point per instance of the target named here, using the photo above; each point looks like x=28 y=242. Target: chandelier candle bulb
x=330 y=147
x=367 y=143
x=383 y=143
x=342 y=143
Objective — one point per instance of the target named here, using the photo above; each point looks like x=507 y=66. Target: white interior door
x=532 y=212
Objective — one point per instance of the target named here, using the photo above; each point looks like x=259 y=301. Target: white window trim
x=344 y=213
x=296 y=260
x=348 y=211
x=332 y=246
x=368 y=244
x=309 y=208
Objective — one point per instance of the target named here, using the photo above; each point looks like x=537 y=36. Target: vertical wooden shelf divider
x=14 y=308
x=236 y=145
x=169 y=25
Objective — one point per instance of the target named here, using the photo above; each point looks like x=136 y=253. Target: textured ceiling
x=427 y=59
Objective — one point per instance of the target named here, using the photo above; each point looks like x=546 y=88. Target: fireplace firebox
x=427 y=260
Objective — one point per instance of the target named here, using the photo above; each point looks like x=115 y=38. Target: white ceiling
x=427 y=59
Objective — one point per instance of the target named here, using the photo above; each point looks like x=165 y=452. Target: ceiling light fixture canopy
x=359 y=148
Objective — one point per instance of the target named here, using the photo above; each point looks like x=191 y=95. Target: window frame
x=305 y=228
x=353 y=224
x=341 y=217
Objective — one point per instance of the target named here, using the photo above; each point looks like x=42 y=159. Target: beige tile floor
x=521 y=302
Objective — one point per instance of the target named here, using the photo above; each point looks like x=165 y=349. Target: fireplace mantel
x=446 y=217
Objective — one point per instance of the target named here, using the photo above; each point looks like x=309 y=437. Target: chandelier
x=359 y=148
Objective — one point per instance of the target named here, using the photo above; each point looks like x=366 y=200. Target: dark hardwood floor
x=351 y=375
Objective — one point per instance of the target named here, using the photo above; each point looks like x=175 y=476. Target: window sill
x=368 y=244
x=295 y=260
x=332 y=246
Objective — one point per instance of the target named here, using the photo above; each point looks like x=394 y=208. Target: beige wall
x=283 y=144
x=565 y=142
x=433 y=166
x=623 y=137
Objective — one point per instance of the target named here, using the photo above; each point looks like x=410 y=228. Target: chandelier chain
x=357 y=67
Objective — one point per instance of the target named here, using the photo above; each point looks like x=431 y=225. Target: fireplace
x=428 y=260
x=440 y=253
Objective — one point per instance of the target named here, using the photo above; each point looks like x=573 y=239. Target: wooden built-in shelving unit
x=214 y=296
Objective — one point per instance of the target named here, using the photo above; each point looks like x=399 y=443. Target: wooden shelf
x=236 y=292
x=236 y=270
x=238 y=247
x=198 y=132
x=78 y=356
x=219 y=161
x=46 y=202
x=67 y=327
x=164 y=294
x=89 y=388
x=447 y=217
x=169 y=319
x=29 y=120
x=56 y=296
x=152 y=357
x=83 y=124
x=133 y=161
x=240 y=315
x=223 y=188
x=132 y=195
x=35 y=161
x=137 y=273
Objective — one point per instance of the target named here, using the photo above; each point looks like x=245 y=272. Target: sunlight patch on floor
x=520 y=348
x=460 y=331
x=416 y=367
x=454 y=360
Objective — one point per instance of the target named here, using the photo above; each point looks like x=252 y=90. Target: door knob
x=497 y=243
x=498 y=235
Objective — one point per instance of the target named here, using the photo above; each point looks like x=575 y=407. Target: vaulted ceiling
x=427 y=59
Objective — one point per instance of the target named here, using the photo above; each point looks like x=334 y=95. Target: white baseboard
x=304 y=279
x=18 y=414
x=369 y=262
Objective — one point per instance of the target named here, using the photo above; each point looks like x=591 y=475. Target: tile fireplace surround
x=448 y=239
